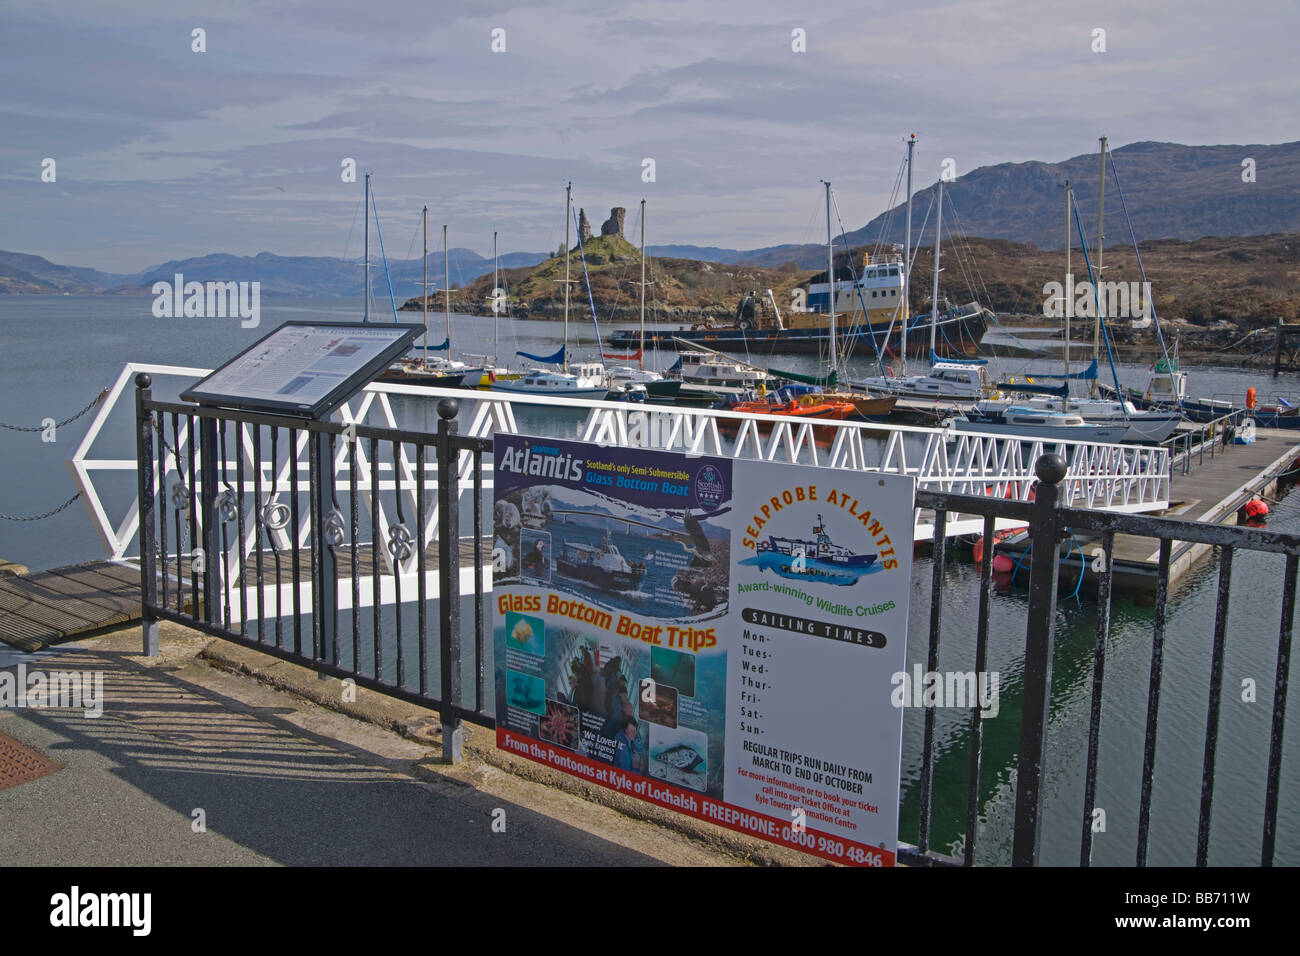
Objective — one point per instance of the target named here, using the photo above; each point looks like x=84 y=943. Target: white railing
x=1129 y=478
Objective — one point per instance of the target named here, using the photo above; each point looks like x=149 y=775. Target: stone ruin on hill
x=613 y=226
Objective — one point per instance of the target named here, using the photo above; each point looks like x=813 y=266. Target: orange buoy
x=977 y=550
x=1256 y=508
x=1003 y=564
x=1250 y=397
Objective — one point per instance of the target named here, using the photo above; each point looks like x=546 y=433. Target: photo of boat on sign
x=862 y=545
x=813 y=559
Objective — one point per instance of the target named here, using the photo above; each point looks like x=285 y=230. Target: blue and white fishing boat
x=812 y=559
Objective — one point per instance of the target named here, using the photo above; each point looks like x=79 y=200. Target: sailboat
x=493 y=370
x=641 y=383
x=1147 y=427
x=587 y=380
x=863 y=404
x=948 y=380
x=426 y=366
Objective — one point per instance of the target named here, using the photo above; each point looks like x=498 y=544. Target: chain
x=48 y=514
x=162 y=436
x=67 y=421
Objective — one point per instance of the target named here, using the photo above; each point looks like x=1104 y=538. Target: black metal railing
x=189 y=562
x=1049 y=524
x=267 y=559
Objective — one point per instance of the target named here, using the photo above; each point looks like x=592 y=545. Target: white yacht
x=1029 y=423
x=1150 y=427
x=954 y=380
x=584 y=380
x=709 y=372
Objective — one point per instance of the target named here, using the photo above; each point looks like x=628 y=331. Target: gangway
x=1118 y=478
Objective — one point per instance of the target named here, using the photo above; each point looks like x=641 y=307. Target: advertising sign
x=711 y=635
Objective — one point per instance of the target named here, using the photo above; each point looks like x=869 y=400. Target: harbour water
x=57 y=353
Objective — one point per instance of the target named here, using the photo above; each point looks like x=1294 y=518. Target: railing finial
x=1050 y=468
x=143 y=380
x=447 y=408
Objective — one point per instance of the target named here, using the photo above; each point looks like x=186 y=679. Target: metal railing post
x=1045 y=534
x=144 y=473
x=449 y=579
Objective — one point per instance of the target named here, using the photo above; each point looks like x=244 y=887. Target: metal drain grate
x=19 y=764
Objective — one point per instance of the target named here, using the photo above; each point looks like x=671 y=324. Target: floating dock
x=1213 y=491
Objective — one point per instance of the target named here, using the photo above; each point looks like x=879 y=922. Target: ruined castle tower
x=584 y=227
x=613 y=226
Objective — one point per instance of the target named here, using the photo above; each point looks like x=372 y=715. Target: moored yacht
x=584 y=380
x=1029 y=423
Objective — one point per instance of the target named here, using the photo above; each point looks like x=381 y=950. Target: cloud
x=164 y=152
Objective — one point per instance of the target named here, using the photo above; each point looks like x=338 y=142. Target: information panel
x=711 y=635
x=305 y=368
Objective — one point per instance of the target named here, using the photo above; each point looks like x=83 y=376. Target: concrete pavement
x=277 y=779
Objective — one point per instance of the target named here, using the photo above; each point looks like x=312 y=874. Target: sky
x=161 y=152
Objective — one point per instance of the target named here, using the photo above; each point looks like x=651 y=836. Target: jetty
x=1213 y=490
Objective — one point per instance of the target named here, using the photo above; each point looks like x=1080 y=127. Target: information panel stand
x=303 y=370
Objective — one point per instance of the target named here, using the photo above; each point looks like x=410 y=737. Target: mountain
x=279 y=275
x=1172 y=192
x=21 y=273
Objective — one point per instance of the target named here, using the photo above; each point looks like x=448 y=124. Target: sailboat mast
x=568 y=200
x=907 y=261
x=641 y=348
x=446 y=288
x=1067 y=305
x=496 y=303
x=366 y=316
x=425 y=296
x=1101 y=241
x=934 y=296
x=830 y=275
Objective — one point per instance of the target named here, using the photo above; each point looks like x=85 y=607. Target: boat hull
x=601 y=578
x=1102 y=434
x=517 y=387
x=961 y=339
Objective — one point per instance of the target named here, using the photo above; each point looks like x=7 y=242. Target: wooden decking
x=49 y=607
x=62 y=603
